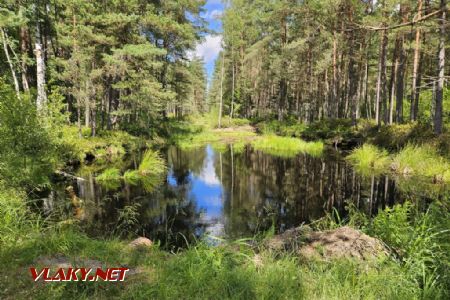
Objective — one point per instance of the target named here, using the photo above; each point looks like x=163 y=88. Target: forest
x=235 y=149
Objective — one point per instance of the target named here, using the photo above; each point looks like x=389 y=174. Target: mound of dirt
x=341 y=242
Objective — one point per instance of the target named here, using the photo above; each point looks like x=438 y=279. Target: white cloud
x=213 y=15
x=208 y=174
x=208 y=49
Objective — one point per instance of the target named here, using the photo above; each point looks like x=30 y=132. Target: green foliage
x=285 y=146
x=397 y=136
x=128 y=216
x=151 y=169
x=110 y=178
x=107 y=146
x=15 y=218
x=27 y=151
x=331 y=129
x=289 y=128
x=368 y=159
x=110 y=174
x=131 y=177
x=422 y=242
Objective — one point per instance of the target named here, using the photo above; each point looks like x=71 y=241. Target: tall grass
x=422 y=161
x=412 y=160
x=148 y=174
x=421 y=241
x=369 y=158
x=151 y=170
x=285 y=146
x=110 y=178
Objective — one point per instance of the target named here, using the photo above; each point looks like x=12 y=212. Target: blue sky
x=210 y=47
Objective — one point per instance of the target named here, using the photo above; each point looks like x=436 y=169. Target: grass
x=201 y=130
x=369 y=158
x=421 y=161
x=412 y=160
x=110 y=178
x=233 y=270
x=285 y=146
x=148 y=174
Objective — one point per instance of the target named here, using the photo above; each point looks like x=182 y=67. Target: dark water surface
x=227 y=194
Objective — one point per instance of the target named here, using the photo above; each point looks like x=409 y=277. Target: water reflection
x=231 y=194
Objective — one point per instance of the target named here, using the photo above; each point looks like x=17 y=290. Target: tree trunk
x=381 y=81
x=415 y=96
x=221 y=90
x=24 y=51
x=283 y=83
x=400 y=82
x=11 y=66
x=441 y=67
x=334 y=99
x=352 y=76
x=40 y=71
x=392 y=83
x=232 y=94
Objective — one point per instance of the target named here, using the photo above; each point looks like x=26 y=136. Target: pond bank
x=236 y=269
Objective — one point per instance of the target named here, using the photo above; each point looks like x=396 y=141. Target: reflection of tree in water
x=185 y=162
x=263 y=190
x=259 y=191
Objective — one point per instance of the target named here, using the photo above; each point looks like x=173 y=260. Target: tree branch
x=399 y=25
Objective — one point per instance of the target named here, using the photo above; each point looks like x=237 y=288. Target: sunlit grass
x=369 y=158
x=148 y=174
x=132 y=177
x=412 y=160
x=421 y=161
x=286 y=147
x=213 y=136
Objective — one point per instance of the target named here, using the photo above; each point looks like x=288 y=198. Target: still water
x=231 y=193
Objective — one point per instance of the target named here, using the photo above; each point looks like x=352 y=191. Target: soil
x=337 y=243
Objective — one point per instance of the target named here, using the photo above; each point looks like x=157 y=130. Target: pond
x=227 y=193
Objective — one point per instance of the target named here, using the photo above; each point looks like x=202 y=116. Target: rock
x=337 y=243
x=141 y=242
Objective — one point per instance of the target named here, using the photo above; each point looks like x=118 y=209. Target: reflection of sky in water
x=206 y=190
